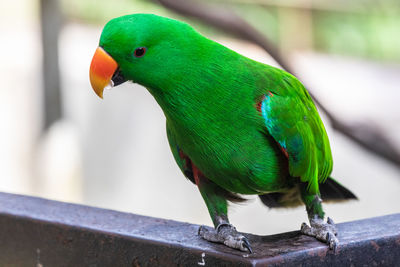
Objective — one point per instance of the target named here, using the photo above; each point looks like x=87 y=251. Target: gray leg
x=224 y=232
x=323 y=231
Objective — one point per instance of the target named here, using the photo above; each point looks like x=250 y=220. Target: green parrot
x=235 y=126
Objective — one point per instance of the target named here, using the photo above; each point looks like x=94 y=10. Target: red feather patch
x=190 y=165
x=259 y=104
x=196 y=174
x=187 y=160
x=283 y=150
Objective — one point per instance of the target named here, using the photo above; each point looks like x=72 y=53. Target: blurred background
x=58 y=140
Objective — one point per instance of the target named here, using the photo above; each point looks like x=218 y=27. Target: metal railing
x=40 y=232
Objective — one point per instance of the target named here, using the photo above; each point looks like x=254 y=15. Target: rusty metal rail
x=40 y=232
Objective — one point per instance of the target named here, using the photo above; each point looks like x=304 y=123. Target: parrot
x=235 y=126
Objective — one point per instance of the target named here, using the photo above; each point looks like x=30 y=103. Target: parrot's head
x=143 y=48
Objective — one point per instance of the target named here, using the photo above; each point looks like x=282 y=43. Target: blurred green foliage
x=363 y=29
x=100 y=11
x=373 y=35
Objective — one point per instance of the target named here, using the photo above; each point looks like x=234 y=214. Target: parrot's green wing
x=293 y=121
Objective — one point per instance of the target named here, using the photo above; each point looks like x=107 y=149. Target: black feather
x=272 y=200
x=330 y=190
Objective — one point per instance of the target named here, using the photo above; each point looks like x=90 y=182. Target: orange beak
x=102 y=68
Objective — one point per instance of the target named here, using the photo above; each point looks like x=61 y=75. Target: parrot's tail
x=330 y=190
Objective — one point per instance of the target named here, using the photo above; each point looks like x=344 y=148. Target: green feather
x=292 y=119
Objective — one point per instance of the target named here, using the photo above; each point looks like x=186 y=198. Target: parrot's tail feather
x=272 y=200
x=330 y=190
x=288 y=199
x=232 y=197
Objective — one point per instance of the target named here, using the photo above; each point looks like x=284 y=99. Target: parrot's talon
x=323 y=231
x=226 y=234
x=200 y=230
x=246 y=244
x=333 y=246
x=305 y=229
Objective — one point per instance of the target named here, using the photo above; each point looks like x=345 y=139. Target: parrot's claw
x=323 y=231
x=227 y=235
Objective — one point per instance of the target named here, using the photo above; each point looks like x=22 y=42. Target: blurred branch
x=367 y=137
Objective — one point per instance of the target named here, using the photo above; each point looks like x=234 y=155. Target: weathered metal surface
x=40 y=232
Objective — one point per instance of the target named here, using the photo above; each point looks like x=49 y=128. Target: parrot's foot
x=226 y=234
x=323 y=231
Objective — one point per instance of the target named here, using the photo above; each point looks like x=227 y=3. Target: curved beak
x=102 y=71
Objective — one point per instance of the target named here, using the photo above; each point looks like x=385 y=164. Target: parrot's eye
x=140 y=51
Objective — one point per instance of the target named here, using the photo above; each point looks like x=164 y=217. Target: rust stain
x=135 y=263
x=280 y=259
x=375 y=245
x=322 y=254
x=311 y=252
